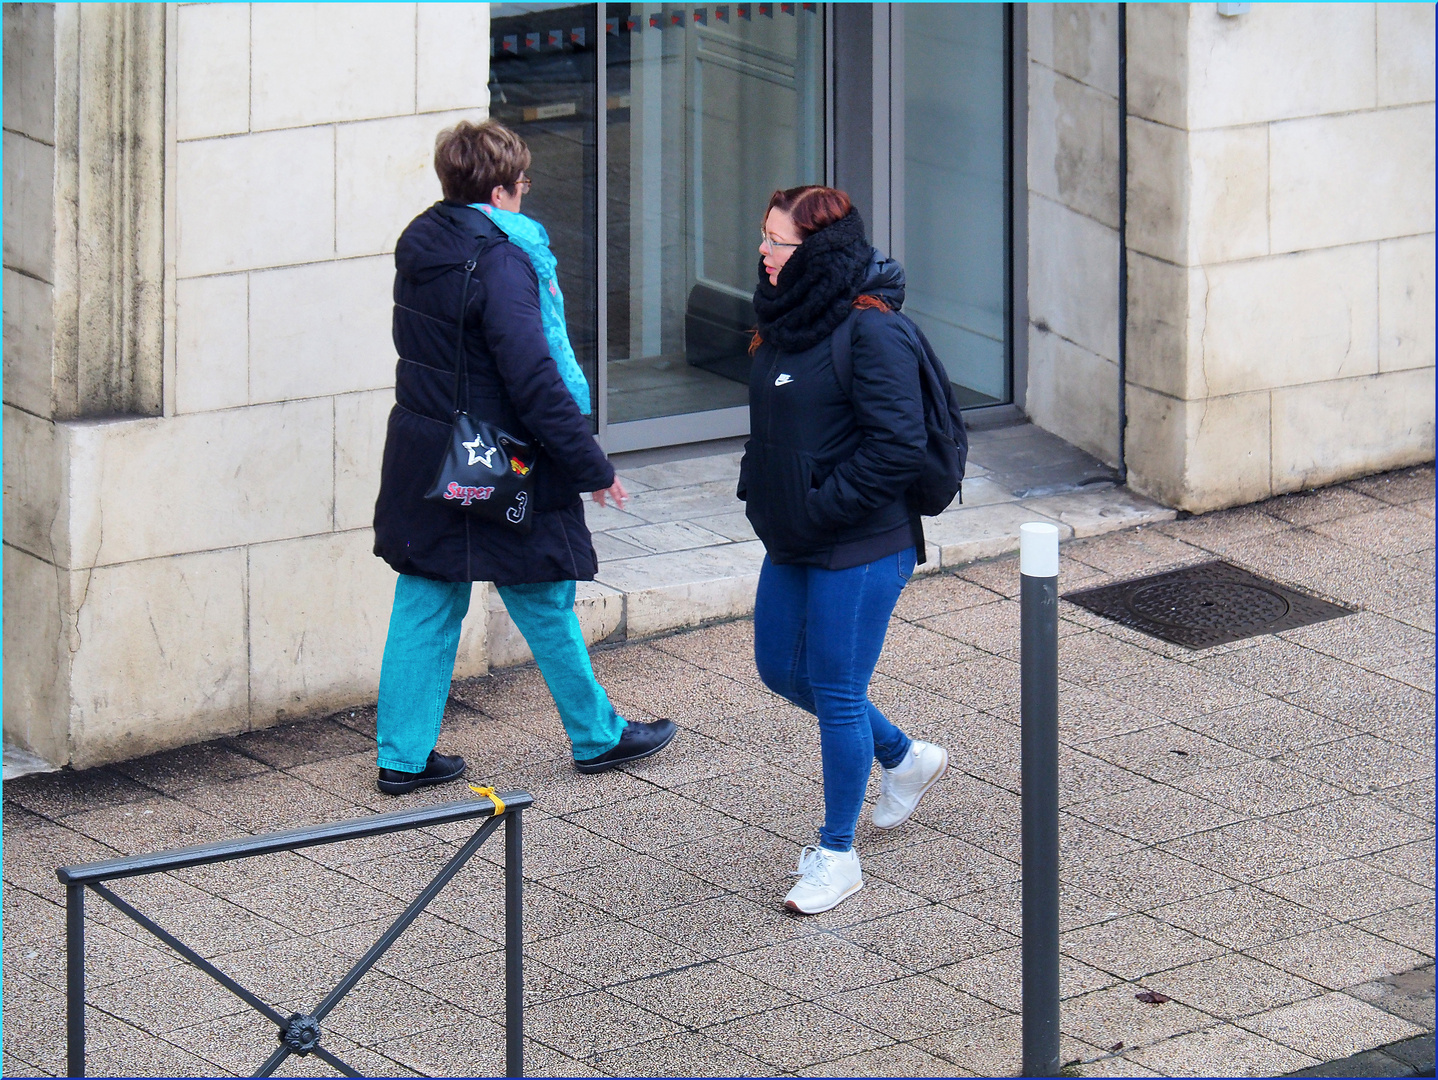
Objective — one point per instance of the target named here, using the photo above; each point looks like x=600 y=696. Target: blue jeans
x=419 y=657
x=817 y=637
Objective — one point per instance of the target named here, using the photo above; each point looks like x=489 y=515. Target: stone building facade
x=1279 y=232
x=1280 y=248
x=202 y=201
x=197 y=561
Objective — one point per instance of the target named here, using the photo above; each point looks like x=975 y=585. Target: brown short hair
x=812 y=207
x=474 y=159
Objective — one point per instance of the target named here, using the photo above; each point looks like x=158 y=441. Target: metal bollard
x=514 y=944
x=75 y=979
x=1038 y=636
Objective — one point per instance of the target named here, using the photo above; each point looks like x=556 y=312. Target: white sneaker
x=826 y=878
x=902 y=787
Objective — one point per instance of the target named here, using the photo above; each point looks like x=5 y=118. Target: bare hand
x=615 y=491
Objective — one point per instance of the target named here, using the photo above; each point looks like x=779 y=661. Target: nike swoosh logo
x=783 y=380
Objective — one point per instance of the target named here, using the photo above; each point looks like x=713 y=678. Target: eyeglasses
x=524 y=183
x=765 y=238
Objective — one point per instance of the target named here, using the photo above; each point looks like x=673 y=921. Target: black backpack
x=941 y=477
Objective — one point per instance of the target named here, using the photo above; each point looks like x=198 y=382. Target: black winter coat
x=824 y=473
x=513 y=382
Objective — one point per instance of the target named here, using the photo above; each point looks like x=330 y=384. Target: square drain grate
x=1206 y=605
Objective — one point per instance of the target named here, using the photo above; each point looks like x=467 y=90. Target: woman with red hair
x=824 y=477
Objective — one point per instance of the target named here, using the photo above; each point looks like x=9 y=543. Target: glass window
x=955 y=190
x=541 y=84
x=710 y=109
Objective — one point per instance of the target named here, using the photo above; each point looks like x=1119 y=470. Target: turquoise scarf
x=533 y=240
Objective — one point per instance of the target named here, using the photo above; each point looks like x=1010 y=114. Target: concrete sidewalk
x=1248 y=830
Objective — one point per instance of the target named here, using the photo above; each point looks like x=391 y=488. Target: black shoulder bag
x=486 y=472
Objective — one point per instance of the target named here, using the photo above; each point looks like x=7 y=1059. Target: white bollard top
x=1038 y=549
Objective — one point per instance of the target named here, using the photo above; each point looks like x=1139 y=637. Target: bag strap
x=841 y=351
x=840 y=356
x=461 y=362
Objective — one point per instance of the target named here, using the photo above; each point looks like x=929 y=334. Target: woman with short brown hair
x=474 y=159
x=468 y=284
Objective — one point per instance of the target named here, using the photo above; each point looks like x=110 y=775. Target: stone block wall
x=1281 y=247
x=178 y=576
x=1073 y=235
x=35 y=638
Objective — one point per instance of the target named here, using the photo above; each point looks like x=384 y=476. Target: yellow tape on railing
x=488 y=793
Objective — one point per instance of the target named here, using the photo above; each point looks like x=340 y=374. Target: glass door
x=709 y=108
x=706 y=110
x=953 y=174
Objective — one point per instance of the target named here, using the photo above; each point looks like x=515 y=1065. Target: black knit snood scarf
x=816 y=286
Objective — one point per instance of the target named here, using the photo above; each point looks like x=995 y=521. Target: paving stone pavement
x=1248 y=830
x=1409 y=995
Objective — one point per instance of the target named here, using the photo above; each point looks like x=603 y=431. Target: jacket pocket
x=777 y=484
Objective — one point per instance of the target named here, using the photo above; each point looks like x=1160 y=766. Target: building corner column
x=110 y=185
x=88 y=338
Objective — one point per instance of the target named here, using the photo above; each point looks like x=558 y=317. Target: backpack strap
x=841 y=343
x=916 y=522
x=841 y=358
x=486 y=234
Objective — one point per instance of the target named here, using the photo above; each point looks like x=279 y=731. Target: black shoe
x=635 y=741
x=439 y=769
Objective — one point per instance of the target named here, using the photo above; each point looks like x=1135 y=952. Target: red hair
x=812 y=207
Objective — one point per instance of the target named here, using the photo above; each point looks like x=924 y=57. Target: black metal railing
x=300 y=1033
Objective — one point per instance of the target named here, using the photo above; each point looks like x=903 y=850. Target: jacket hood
x=885 y=280
x=443 y=237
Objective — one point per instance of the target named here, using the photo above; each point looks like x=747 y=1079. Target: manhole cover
x=1206 y=605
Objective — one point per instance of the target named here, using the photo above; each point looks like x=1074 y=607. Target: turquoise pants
x=419 y=657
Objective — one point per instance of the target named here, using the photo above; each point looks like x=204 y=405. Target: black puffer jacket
x=824 y=474
x=512 y=382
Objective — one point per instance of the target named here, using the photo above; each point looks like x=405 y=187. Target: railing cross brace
x=300 y=1033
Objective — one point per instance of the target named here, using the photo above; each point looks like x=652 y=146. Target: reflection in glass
x=955 y=198
x=541 y=84
x=710 y=108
